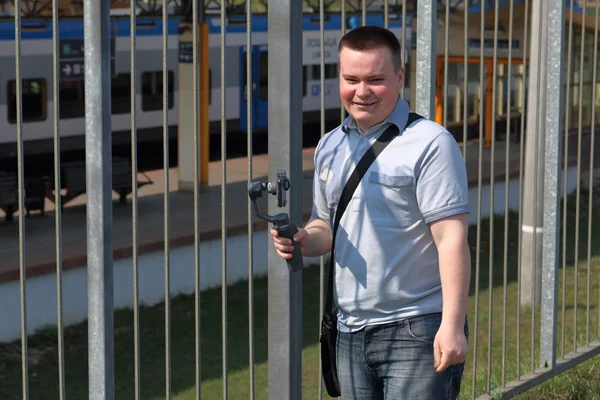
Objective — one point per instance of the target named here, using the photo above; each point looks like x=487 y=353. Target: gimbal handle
x=287 y=229
x=281 y=222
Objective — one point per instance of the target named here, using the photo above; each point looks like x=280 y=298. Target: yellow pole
x=439 y=96
x=204 y=100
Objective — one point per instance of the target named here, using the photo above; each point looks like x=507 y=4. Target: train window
x=152 y=93
x=71 y=99
x=120 y=94
x=264 y=76
x=33 y=96
x=331 y=71
x=72 y=96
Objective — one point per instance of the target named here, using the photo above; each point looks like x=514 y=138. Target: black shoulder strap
x=359 y=172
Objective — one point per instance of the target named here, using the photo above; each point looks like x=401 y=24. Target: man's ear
x=400 y=77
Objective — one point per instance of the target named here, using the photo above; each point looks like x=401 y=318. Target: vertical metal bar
x=591 y=178
x=554 y=109
x=364 y=12
x=57 y=200
x=322 y=64
x=533 y=193
x=506 y=193
x=285 y=152
x=465 y=115
x=20 y=189
x=134 y=204
x=425 y=77
x=578 y=191
x=322 y=99
x=225 y=364
x=403 y=48
x=196 y=143
x=492 y=198
x=342 y=110
x=250 y=231
x=479 y=192
x=521 y=173
x=565 y=182
x=386 y=16
x=536 y=282
x=446 y=51
x=96 y=22
x=167 y=227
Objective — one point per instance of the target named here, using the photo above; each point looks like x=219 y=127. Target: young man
x=402 y=261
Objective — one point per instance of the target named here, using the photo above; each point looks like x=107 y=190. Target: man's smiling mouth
x=365 y=104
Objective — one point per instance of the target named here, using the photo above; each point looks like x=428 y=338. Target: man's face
x=369 y=84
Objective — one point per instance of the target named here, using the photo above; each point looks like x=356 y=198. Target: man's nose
x=362 y=89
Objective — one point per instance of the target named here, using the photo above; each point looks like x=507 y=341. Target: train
x=36 y=68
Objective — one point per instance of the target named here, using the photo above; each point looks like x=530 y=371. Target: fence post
x=552 y=157
x=425 y=78
x=285 y=152
x=96 y=20
x=533 y=176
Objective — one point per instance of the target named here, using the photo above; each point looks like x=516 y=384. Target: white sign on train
x=311 y=47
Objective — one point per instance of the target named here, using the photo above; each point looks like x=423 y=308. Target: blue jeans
x=395 y=361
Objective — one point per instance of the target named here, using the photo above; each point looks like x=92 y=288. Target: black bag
x=329 y=329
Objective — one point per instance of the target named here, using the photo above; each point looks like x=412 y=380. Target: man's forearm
x=319 y=238
x=455 y=274
x=450 y=236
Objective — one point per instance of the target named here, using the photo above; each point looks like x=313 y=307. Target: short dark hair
x=373 y=37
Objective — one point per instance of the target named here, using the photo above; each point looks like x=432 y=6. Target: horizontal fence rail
x=141 y=147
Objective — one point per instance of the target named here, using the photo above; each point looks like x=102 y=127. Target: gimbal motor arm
x=281 y=222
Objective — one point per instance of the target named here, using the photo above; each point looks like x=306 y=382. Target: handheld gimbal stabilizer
x=281 y=222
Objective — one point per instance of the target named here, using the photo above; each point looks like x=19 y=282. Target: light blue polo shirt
x=386 y=262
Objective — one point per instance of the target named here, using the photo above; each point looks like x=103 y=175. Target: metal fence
x=514 y=81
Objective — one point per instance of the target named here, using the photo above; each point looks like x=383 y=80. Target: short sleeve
x=320 y=207
x=442 y=188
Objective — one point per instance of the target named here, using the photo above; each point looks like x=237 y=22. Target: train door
x=479 y=97
x=259 y=87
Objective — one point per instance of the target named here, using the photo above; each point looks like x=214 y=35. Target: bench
x=35 y=194
x=75 y=184
x=121 y=178
x=36 y=190
x=73 y=180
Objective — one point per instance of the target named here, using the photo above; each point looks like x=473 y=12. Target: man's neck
x=366 y=130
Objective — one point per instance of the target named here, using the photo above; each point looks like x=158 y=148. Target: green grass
x=578 y=383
